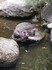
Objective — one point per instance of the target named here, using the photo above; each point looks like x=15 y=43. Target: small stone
x=23 y=63
x=49 y=25
x=44 y=47
x=19 y=34
x=26 y=51
x=35 y=20
x=26 y=31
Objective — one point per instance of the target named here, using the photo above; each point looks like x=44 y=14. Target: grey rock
x=27 y=32
x=47 y=12
x=50 y=27
x=16 y=8
x=9 y=52
x=35 y=20
x=24 y=26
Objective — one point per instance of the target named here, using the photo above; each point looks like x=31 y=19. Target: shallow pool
x=33 y=56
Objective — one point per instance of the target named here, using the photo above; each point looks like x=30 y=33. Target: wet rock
x=17 y=8
x=24 y=26
x=50 y=27
x=26 y=31
x=9 y=52
x=47 y=12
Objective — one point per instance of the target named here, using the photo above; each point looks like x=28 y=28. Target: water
x=33 y=56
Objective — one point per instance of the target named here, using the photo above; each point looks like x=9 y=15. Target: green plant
x=40 y=4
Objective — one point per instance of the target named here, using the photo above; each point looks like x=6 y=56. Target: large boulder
x=26 y=31
x=9 y=52
x=17 y=8
x=47 y=12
